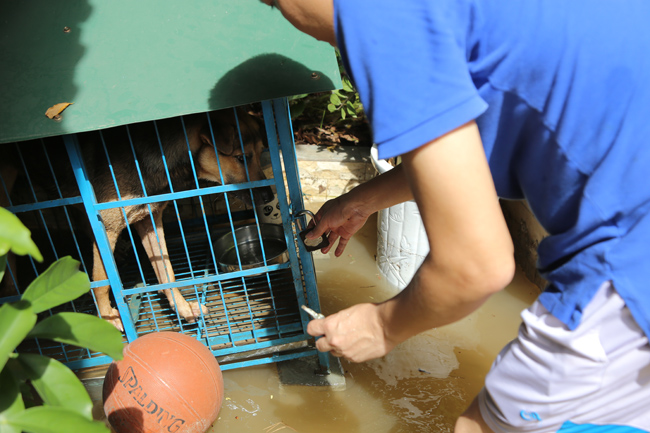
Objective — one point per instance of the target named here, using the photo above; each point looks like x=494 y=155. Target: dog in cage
x=144 y=160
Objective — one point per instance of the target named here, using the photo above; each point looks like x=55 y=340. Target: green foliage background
x=61 y=403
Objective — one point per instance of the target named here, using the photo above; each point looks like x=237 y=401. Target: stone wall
x=326 y=174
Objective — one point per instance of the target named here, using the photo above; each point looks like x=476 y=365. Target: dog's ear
x=224 y=137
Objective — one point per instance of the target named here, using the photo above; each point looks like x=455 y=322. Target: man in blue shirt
x=543 y=100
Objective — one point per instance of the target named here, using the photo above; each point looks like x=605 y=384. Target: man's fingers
x=319 y=230
x=341 y=247
x=323 y=346
x=316 y=327
x=331 y=238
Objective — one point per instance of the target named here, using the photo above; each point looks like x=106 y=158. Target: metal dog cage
x=254 y=314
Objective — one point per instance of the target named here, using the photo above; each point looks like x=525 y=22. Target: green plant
x=345 y=101
x=62 y=403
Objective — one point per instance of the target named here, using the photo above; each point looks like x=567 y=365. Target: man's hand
x=342 y=217
x=338 y=219
x=356 y=333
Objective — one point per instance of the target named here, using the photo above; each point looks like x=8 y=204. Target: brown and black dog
x=216 y=155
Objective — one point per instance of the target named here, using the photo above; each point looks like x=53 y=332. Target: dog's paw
x=199 y=309
x=193 y=311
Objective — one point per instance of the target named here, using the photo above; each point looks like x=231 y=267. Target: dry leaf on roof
x=57 y=109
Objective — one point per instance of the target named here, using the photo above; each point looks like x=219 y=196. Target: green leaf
x=343 y=114
x=30 y=398
x=57 y=385
x=81 y=330
x=11 y=402
x=331 y=108
x=61 y=282
x=46 y=419
x=295 y=97
x=334 y=99
x=347 y=86
x=14 y=236
x=16 y=320
x=3 y=266
x=297 y=109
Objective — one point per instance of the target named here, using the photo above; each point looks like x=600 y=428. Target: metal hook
x=305 y=212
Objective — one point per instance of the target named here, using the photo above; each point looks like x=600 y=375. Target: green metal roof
x=125 y=61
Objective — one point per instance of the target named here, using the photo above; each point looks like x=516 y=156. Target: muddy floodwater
x=421 y=386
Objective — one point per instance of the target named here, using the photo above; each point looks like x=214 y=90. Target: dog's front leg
x=102 y=294
x=153 y=239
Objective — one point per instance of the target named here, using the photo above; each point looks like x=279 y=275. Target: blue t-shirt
x=560 y=91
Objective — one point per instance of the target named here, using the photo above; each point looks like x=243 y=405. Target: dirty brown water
x=421 y=386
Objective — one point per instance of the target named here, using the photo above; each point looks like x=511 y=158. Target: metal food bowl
x=250 y=250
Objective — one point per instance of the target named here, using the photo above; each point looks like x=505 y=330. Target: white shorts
x=551 y=379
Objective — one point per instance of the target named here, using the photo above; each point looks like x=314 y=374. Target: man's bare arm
x=471 y=253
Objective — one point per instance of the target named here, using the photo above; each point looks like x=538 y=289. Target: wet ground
x=421 y=386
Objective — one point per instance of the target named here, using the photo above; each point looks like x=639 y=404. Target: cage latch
x=310 y=244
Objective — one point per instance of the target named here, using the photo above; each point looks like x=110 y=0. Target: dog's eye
x=243 y=158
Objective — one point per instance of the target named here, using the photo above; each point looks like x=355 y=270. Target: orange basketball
x=167 y=382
